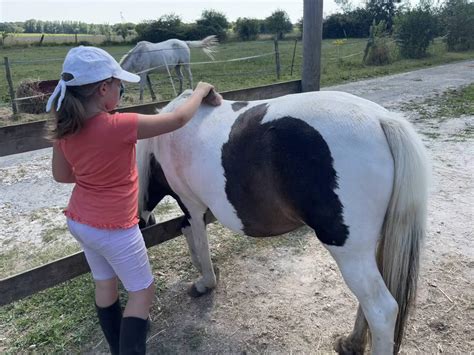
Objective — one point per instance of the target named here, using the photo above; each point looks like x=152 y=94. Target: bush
x=352 y=24
x=278 y=23
x=167 y=27
x=377 y=51
x=415 y=29
x=247 y=28
x=213 y=23
x=458 y=18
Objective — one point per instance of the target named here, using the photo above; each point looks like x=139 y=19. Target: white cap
x=88 y=65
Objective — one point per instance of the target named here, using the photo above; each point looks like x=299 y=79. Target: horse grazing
x=346 y=167
x=147 y=57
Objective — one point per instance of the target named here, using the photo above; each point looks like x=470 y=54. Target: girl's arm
x=62 y=170
x=154 y=125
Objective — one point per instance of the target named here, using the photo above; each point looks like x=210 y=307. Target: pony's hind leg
x=190 y=75
x=150 y=87
x=356 y=341
x=359 y=269
x=179 y=73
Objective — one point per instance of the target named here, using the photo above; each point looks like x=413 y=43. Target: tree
x=124 y=29
x=247 y=28
x=5 y=30
x=415 y=29
x=213 y=22
x=383 y=10
x=279 y=23
x=458 y=19
x=345 y=5
x=167 y=27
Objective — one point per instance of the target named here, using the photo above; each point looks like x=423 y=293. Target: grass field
x=340 y=63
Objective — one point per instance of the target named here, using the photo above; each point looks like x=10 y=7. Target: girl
x=96 y=150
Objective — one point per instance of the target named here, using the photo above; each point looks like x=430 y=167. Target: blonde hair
x=72 y=114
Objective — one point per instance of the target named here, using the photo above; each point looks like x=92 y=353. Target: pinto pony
x=147 y=57
x=345 y=166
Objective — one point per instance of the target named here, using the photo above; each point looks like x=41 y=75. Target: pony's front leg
x=188 y=233
x=207 y=281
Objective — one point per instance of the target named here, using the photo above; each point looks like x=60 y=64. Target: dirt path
x=285 y=294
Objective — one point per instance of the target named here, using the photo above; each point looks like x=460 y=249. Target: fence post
x=10 y=85
x=277 y=58
x=312 y=36
x=293 y=59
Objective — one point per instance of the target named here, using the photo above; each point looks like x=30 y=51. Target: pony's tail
x=207 y=44
x=403 y=230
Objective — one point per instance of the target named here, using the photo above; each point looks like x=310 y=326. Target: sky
x=112 y=11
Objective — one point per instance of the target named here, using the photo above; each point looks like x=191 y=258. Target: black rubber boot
x=110 y=320
x=133 y=336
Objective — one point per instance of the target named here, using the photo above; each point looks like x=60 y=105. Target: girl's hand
x=213 y=98
x=210 y=96
x=203 y=89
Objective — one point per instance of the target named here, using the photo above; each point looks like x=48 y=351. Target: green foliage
x=213 y=23
x=166 y=27
x=353 y=24
x=458 y=19
x=51 y=27
x=382 y=10
x=124 y=29
x=247 y=28
x=279 y=23
x=171 y=26
x=415 y=29
x=377 y=51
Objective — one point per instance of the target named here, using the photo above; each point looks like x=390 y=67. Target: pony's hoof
x=344 y=346
x=195 y=293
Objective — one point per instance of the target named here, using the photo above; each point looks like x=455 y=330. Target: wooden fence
x=31 y=136
x=28 y=137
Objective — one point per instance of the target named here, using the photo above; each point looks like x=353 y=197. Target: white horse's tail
x=207 y=44
x=398 y=252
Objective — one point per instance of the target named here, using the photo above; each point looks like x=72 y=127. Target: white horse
x=147 y=57
x=348 y=168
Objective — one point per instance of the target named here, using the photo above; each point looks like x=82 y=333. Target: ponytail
x=72 y=114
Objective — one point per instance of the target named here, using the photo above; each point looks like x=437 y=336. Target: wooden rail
x=31 y=136
x=27 y=283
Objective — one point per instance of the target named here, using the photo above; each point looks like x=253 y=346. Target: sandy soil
x=286 y=295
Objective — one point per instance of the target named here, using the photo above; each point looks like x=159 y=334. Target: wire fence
x=238 y=65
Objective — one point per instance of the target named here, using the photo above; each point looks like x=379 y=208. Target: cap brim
x=127 y=76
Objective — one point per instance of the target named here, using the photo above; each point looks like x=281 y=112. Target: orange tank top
x=102 y=155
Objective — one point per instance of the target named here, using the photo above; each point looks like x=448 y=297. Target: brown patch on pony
x=236 y=106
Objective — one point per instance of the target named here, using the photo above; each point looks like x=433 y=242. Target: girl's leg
x=106 y=292
x=107 y=303
x=139 y=303
x=129 y=259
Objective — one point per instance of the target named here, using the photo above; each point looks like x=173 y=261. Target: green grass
x=449 y=104
x=339 y=65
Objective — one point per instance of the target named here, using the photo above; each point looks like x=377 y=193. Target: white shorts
x=115 y=252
